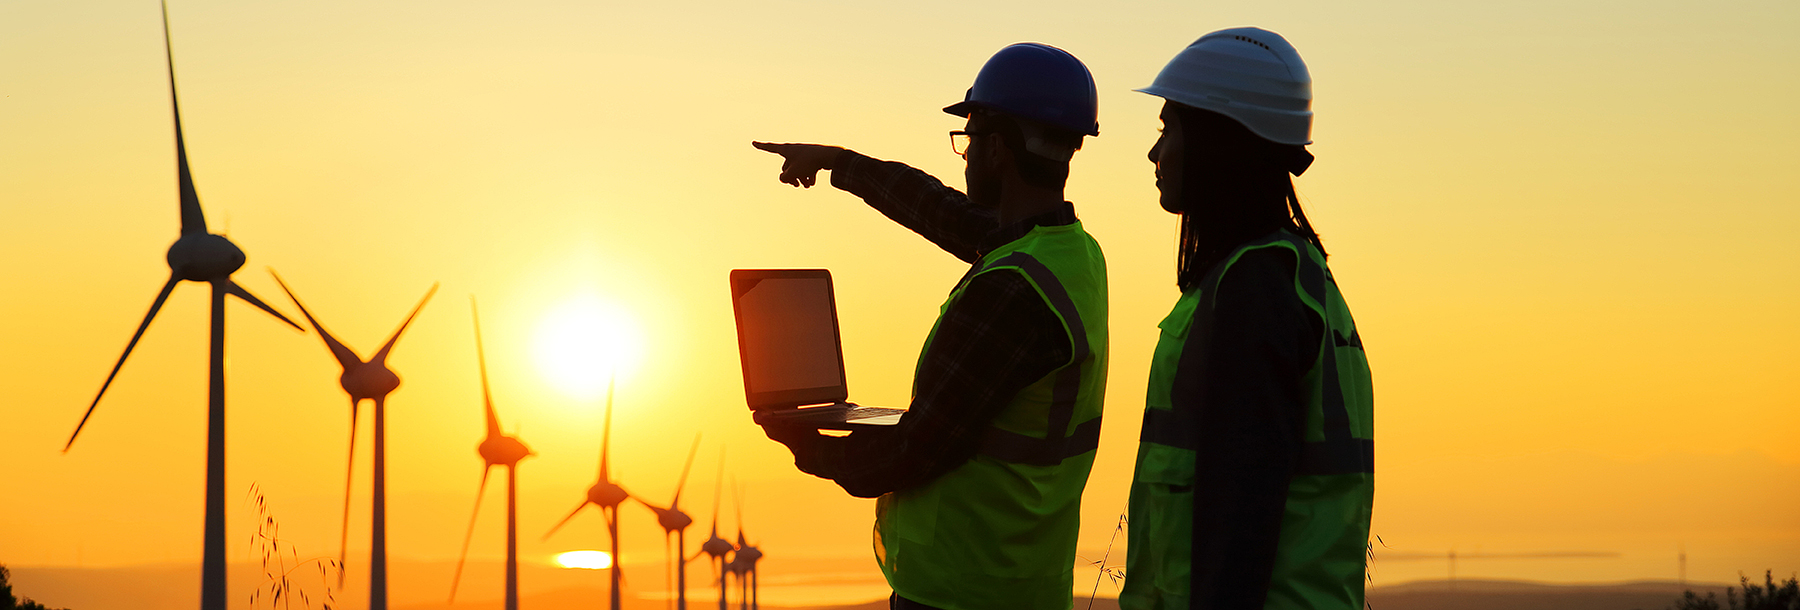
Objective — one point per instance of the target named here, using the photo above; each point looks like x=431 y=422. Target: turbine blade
x=737 y=497
x=382 y=354
x=479 y=491
x=606 y=433
x=653 y=508
x=718 y=491
x=233 y=289
x=345 y=357
x=675 y=503
x=612 y=531
x=192 y=220
x=493 y=421
x=559 y=524
x=349 y=469
x=155 y=306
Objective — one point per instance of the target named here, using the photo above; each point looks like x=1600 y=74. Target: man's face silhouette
x=981 y=169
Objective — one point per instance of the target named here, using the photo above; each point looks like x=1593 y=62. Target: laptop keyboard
x=861 y=412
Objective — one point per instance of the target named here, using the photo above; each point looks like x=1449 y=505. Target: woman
x=1254 y=476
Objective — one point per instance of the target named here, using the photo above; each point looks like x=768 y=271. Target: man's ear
x=1000 y=155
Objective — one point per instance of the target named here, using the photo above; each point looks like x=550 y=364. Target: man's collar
x=1063 y=214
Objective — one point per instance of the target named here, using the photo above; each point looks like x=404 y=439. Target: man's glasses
x=959 y=140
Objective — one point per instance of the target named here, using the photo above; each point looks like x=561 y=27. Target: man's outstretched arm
x=913 y=198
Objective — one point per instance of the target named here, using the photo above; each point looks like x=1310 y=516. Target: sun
x=584 y=342
x=585 y=560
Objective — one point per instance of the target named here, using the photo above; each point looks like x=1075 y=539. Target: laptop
x=793 y=359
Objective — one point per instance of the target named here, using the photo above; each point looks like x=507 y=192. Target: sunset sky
x=1561 y=227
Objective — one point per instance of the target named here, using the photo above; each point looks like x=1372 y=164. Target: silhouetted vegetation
x=280 y=562
x=8 y=602
x=1116 y=573
x=1767 y=596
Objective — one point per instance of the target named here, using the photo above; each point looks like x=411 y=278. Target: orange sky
x=1548 y=217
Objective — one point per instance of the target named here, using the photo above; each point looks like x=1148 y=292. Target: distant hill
x=425 y=585
x=1524 y=595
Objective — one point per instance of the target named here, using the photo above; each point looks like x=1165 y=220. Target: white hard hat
x=1249 y=74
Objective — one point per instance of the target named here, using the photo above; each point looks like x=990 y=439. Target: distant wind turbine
x=607 y=495
x=673 y=521
x=198 y=256
x=373 y=381
x=497 y=449
x=743 y=562
x=715 y=546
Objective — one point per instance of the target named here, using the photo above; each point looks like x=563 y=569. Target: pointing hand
x=801 y=162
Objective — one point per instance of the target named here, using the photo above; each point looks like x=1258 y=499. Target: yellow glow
x=585 y=560
x=585 y=340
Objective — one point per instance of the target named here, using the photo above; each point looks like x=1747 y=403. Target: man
x=980 y=482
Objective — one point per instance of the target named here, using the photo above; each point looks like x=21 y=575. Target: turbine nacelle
x=204 y=257
x=672 y=519
x=370 y=381
x=503 y=450
x=607 y=494
x=716 y=546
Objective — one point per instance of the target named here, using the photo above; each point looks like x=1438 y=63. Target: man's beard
x=984 y=188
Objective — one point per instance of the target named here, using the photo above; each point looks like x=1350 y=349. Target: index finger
x=770 y=147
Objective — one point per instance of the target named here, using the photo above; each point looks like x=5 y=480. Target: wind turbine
x=497 y=449
x=743 y=563
x=715 y=546
x=673 y=521
x=198 y=256
x=371 y=380
x=607 y=495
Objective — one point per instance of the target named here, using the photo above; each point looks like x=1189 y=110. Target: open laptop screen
x=788 y=337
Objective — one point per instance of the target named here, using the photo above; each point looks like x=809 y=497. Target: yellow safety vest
x=998 y=532
x=1320 y=557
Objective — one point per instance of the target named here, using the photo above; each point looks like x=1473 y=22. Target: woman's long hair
x=1235 y=188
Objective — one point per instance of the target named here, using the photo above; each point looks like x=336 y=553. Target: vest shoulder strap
x=1057 y=444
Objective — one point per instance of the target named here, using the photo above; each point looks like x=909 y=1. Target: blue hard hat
x=1038 y=82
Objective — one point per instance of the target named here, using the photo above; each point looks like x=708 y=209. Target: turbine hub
x=607 y=494
x=369 y=381
x=673 y=520
x=503 y=450
x=716 y=546
x=204 y=257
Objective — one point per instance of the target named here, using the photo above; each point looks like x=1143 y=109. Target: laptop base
x=840 y=416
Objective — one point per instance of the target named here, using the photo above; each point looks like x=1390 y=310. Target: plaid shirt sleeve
x=995 y=339
x=917 y=201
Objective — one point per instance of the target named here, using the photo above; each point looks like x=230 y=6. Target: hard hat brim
x=961 y=109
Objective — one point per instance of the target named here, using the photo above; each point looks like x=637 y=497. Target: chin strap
x=1040 y=147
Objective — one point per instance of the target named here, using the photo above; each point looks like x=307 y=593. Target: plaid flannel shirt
x=994 y=340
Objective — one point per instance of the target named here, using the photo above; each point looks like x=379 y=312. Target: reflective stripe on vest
x=1055 y=446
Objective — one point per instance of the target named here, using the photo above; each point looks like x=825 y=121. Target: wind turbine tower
x=369 y=380
x=715 y=546
x=497 y=449
x=673 y=521
x=607 y=495
x=198 y=256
